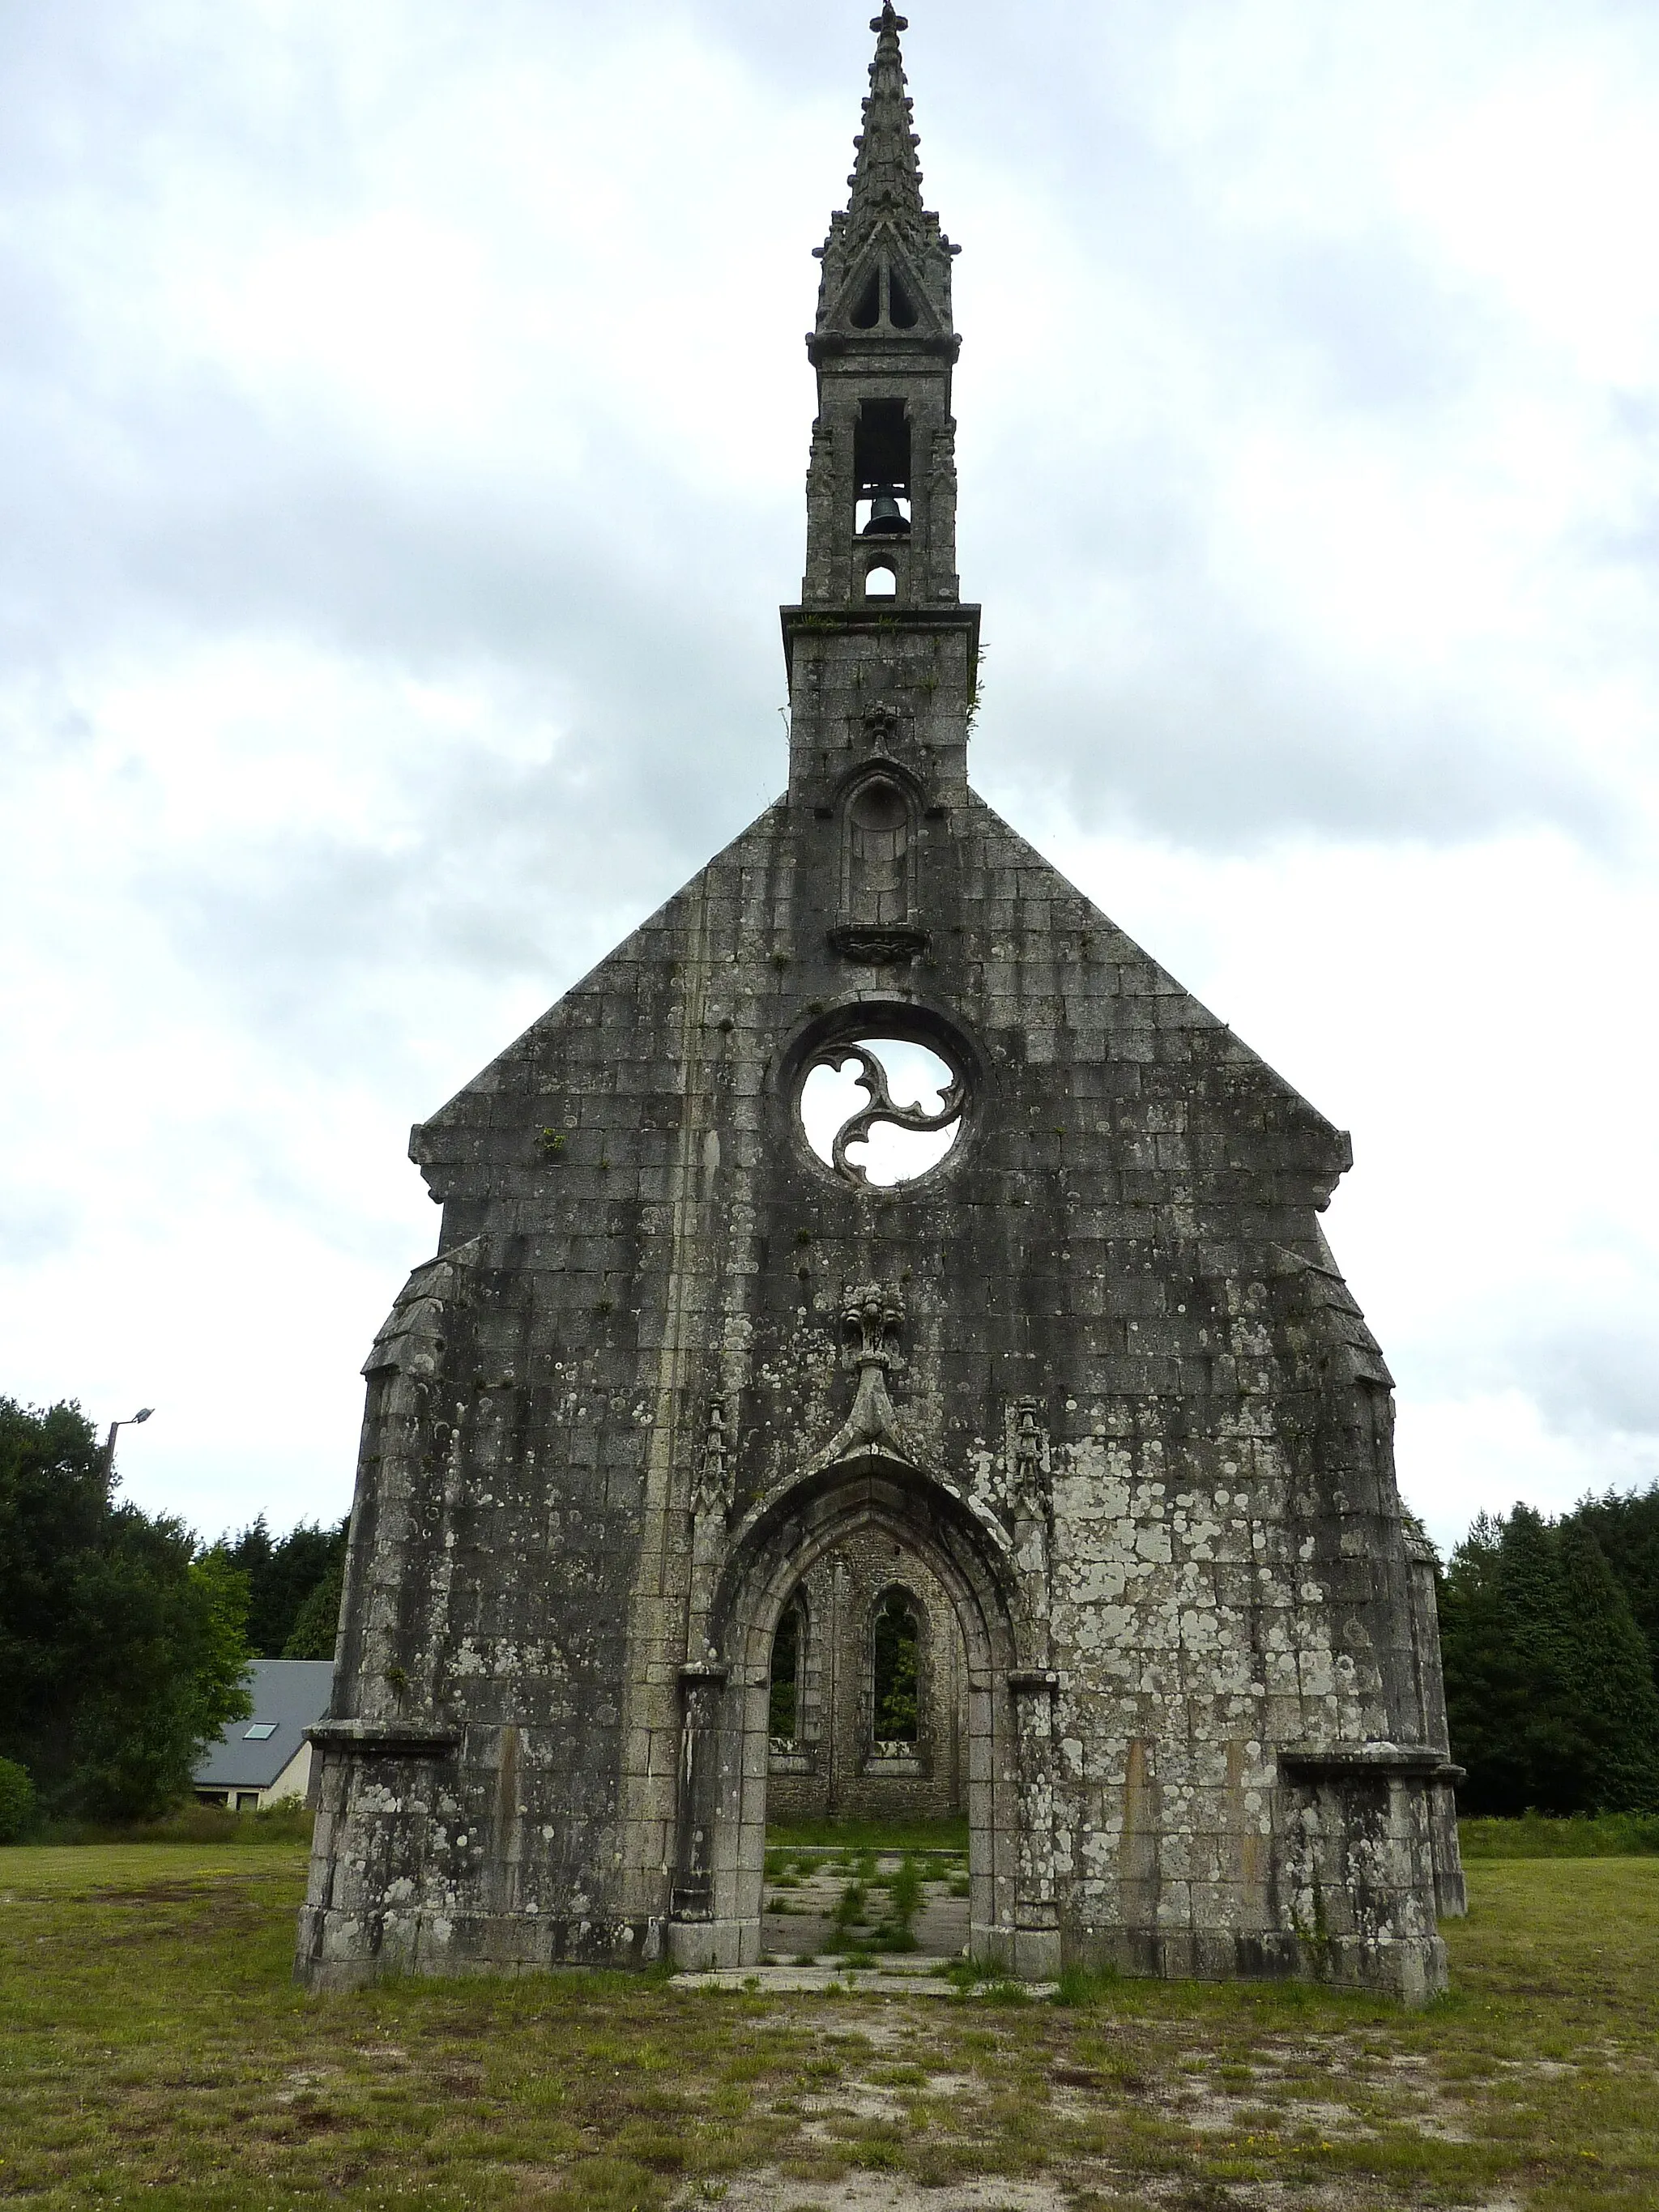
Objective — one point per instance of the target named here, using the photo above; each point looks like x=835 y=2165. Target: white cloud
x=404 y=415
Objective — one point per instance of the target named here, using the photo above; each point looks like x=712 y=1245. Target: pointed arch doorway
x=859 y=1504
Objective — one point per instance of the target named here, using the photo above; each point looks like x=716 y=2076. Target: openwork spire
x=884 y=222
x=885 y=180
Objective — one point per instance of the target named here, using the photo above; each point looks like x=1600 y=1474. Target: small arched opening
x=880 y=581
x=785 y=1683
x=896 y=1676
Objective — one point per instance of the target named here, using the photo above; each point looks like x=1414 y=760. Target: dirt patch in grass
x=152 y=2044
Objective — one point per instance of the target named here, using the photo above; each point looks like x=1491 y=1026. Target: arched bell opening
x=771 y=1560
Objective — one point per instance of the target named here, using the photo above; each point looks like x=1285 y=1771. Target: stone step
x=911 y=1976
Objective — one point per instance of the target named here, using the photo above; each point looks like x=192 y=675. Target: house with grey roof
x=265 y=1759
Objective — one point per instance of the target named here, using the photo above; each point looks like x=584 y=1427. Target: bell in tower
x=887 y=518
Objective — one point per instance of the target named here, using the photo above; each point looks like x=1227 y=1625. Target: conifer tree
x=1551 y=1748
x=1608 y=1678
x=1625 y=1524
x=1549 y=1687
x=1486 y=1691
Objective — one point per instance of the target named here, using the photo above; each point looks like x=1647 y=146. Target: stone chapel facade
x=699 y=1401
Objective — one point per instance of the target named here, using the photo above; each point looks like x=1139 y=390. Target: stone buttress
x=1095 y=1368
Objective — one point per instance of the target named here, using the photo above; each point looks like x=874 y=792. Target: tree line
x=1550 y=1634
x=124 y=1640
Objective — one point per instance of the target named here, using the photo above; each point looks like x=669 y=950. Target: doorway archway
x=724 y=1774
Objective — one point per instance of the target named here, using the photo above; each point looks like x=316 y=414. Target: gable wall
x=1128 y=1239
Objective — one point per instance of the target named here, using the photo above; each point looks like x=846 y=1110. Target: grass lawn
x=153 y=2051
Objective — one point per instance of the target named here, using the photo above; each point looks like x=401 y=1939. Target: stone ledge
x=426 y=1739
x=1340 y=1761
x=876 y=618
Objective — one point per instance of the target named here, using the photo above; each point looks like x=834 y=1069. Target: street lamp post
x=131 y=1422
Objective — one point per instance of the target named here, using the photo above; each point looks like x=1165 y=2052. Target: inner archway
x=875 y=1695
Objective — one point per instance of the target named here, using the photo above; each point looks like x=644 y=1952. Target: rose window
x=881 y=1110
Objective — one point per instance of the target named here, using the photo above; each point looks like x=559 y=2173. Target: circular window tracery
x=881 y=1110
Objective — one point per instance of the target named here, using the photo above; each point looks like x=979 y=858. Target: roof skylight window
x=259 y=1732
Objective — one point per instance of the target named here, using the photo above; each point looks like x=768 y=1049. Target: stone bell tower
x=879 y=1244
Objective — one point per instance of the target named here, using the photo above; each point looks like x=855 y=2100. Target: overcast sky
x=405 y=419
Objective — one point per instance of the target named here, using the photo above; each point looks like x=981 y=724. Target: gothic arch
x=722 y=1828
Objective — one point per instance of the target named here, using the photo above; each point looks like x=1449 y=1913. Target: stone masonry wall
x=636 y=1232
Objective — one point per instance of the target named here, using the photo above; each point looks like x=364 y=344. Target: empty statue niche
x=877 y=850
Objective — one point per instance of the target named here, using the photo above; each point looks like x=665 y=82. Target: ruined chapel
x=882 y=1355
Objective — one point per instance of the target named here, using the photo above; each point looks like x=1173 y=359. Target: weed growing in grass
x=850 y=1911
x=906 y=1891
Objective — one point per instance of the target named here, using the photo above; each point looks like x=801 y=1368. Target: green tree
x=284 y=1574
x=16 y=1800
x=1609 y=1678
x=52 y=1505
x=122 y=1650
x=1485 y=1679
x=1550 y=1747
x=313 y=1634
x=896 y=1671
